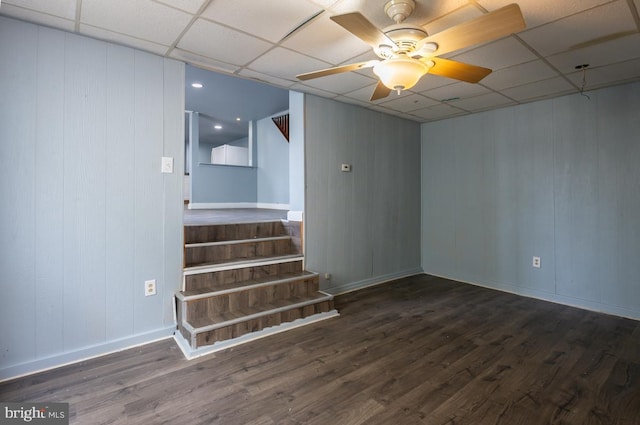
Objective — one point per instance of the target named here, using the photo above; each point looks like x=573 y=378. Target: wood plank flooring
x=421 y=350
x=231 y=215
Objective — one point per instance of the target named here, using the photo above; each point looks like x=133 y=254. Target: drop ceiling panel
x=461 y=90
x=497 y=55
x=271 y=20
x=429 y=82
x=408 y=103
x=325 y=40
x=143 y=19
x=258 y=76
x=539 y=12
x=61 y=8
x=203 y=62
x=438 y=112
x=36 y=17
x=226 y=45
x=554 y=86
x=483 y=102
x=123 y=39
x=588 y=26
x=307 y=89
x=608 y=75
x=600 y=54
x=243 y=37
x=340 y=83
x=286 y=64
x=325 y=4
x=191 y=6
x=428 y=12
x=518 y=75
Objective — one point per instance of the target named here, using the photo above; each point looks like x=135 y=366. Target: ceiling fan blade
x=491 y=26
x=381 y=91
x=458 y=70
x=336 y=70
x=359 y=26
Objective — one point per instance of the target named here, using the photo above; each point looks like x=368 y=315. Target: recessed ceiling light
x=217 y=127
x=196 y=85
x=238 y=119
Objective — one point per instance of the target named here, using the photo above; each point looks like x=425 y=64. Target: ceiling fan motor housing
x=405 y=36
x=399 y=10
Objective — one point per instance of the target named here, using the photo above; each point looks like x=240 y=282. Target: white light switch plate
x=167 y=164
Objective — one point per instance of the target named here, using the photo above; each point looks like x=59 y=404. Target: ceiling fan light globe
x=400 y=73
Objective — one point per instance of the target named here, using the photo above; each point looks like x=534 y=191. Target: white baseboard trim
x=554 y=298
x=229 y=205
x=295 y=216
x=83 y=354
x=190 y=353
x=220 y=205
x=272 y=206
x=354 y=286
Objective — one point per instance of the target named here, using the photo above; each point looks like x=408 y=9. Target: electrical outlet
x=327 y=276
x=346 y=168
x=536 y=262
x=149 y=287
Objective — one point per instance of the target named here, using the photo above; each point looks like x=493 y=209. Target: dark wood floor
x=421 y=350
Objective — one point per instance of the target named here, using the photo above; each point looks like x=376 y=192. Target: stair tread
x=238 y=241
x=247 y=283
x=241 y=261
x=236 y=223
x=237 y=316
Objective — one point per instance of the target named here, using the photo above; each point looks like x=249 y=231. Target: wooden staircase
x=245 y=279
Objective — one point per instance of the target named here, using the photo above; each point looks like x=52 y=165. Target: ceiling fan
x=407 y=52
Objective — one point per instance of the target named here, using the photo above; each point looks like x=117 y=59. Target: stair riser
x=254 y=325
x=294 y=230
x=215 y=279
x=244 y=251
x=180 y=315
x=243 y=300
x=228 y=232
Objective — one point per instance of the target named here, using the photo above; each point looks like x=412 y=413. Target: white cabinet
x=230 y=155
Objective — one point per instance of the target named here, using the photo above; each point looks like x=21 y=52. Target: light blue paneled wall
x=362 y=227
x=242 y=142
x=273 y=165
x=559 y=179
x=87 y=216
x=205 y=151
x=296 y=151
x=217 y=186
